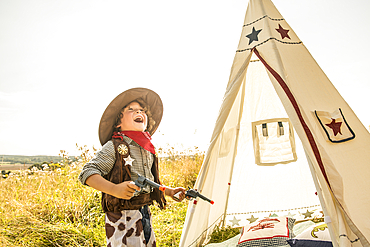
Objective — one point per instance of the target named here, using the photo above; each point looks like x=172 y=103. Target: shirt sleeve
x=101 y=164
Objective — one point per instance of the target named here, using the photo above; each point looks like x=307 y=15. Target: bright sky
x=63 y=61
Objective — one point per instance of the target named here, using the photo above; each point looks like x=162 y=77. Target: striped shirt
x=105 y=159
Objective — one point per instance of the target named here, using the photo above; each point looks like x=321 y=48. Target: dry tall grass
x=51 y=208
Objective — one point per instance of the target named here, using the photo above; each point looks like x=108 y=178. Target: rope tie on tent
x=263 y=17
x=271 y=38
x=352 y=241
x=276 y=211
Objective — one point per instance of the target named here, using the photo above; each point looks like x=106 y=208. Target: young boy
x=125 y=132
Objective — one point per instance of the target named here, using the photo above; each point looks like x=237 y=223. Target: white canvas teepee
x=285 y=141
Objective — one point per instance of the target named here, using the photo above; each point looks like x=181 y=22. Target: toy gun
x=193 y=194
x=143 y=181
x=189 y=194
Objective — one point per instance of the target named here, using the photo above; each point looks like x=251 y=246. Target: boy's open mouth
x=139 y=119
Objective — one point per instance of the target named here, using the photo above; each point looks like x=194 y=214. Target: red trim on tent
x=298 y=111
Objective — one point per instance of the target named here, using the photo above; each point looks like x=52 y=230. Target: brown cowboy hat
x=110 y=114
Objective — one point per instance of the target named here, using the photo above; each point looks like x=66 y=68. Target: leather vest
x=121 y=173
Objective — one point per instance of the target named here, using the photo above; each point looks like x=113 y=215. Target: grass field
x=49 y=207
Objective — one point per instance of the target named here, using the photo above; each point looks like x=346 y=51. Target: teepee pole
x=216 y=134
x=235 y=150
x=322 y=202
x=186 y=229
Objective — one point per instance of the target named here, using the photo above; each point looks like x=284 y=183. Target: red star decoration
x=335 y=126
x=283 y=32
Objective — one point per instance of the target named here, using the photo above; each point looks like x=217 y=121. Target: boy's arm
x=101 y=164
x=123 y=190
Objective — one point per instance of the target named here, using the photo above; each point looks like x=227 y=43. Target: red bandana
x=141 y=138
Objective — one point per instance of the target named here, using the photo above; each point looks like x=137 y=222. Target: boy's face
x=134 y=118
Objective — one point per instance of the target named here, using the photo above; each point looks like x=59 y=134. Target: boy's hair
x=142 y=103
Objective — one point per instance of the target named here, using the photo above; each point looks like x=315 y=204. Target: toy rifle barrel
x=194 y=194
x=205 y=198
x=155 y=185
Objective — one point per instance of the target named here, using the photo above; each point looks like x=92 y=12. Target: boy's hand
x=125 y=190
x=179 y=192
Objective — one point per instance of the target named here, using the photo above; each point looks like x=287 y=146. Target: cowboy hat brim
x=110 y=114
